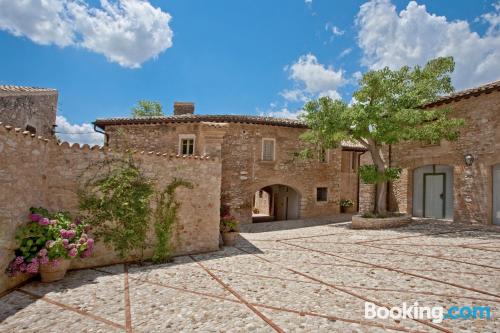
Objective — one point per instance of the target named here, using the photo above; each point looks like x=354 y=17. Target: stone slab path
x=310 y=279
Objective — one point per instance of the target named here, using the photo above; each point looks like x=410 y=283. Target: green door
x=434 y=195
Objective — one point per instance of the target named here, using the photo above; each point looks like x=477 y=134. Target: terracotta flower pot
x=229 y=238
x=50 y=272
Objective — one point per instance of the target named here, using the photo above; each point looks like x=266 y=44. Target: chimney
x=181 y=108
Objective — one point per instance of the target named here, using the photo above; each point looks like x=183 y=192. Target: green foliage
x=165 y=216
x=33 y=236
x=386 y=109
x=346 y=203
x=117 y=206
x=370 y=175
x=147 y=109
x=228 y=223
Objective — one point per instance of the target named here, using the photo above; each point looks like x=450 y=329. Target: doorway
x=434 y=195
x=275 y=203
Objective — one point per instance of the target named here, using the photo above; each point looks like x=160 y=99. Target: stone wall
x=472 y=185
x=40 y=172
x=243 y=172
x=35 y=109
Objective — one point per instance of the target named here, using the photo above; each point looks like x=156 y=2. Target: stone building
x=28 y=108
x=263 y=176
x=457 y=180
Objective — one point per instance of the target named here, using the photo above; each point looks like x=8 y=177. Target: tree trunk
x=381 y=198
x=381 y=193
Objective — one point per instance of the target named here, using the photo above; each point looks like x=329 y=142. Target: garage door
x=496 y=194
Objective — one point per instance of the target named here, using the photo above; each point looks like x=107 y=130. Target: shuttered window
x=268 y=149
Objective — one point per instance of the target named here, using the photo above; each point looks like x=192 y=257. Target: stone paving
x=314 y=279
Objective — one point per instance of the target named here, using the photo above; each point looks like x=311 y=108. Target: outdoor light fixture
x=469 y=159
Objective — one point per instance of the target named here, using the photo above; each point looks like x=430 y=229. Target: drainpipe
x=106 y=135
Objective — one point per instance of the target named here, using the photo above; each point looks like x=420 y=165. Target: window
x=186 y=144
x=268 y=149
x=321 y=194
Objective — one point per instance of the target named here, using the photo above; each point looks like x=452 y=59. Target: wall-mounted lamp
x=469 y=159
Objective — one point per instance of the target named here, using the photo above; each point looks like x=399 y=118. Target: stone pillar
x=366 y=198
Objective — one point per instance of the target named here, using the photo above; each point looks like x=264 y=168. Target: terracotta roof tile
x=191 y=118
x=9 y=89
x=476 y=91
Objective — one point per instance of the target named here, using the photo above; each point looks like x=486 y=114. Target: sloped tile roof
x=217 y=120
x=190 y=118
x=467 y=93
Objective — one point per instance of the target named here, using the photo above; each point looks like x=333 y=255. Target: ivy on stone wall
x=117 y=206
x=116 y=202
x=164 y=216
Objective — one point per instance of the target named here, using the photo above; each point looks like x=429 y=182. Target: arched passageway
x=275 y=203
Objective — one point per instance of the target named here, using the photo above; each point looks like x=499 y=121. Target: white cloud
x=294 y=95
x=345 y=52
x=283 y=112
x=75 y=133
x=313 y=79
x=493 y=19
x=44 y=22
x=334 y=29
x=308 y=1
x=415 y=36
x=128 y=32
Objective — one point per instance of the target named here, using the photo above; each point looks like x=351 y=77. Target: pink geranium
x=44 y=221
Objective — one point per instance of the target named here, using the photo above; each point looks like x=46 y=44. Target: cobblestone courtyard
x=313 y=279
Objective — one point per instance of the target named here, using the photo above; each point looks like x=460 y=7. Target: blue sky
x=231 y=57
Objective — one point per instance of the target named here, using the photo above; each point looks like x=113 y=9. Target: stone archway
x=275 y=202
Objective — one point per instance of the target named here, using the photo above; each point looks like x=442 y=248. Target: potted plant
x=229 y=227
x=345 y=204
x=47 y=244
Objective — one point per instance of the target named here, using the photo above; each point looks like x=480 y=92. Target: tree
x=386 y=110
x=147 y=109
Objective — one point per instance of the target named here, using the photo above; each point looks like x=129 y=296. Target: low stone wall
x=40 y=172
x=359 y=222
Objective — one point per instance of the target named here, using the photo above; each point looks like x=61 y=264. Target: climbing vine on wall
x=164 y=217
x=116 y=202
x=117 y=205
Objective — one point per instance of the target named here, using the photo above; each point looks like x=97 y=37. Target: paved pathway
x=314 y=279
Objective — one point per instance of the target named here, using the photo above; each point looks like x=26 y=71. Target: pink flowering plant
x=48 y=238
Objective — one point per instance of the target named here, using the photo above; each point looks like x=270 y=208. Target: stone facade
x=471 y=186
x=32 y=109
x=41 y=172
x=244 y=172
